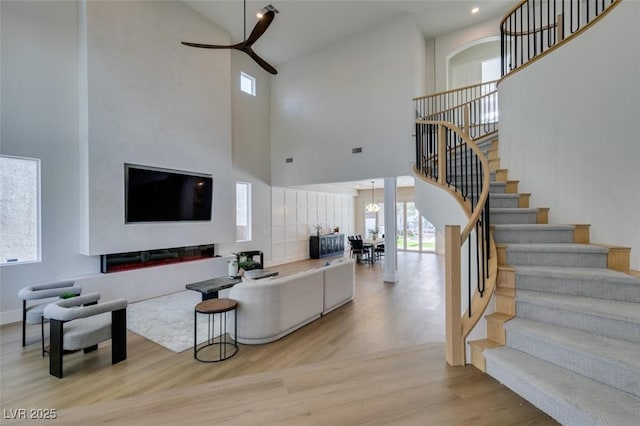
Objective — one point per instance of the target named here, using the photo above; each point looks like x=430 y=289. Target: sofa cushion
x=339 y=285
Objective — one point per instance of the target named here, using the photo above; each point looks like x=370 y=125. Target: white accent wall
x=296 y=212
x=569 y=130
x=155 y=102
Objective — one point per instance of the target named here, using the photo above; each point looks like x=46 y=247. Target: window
x=247 y=84
x=243 y=211
x=19 y=210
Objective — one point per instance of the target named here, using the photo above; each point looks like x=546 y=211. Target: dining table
x=371 y=245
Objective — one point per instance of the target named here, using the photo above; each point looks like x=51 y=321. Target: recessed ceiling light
x=475 y=10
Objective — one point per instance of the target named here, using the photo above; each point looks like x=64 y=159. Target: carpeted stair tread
x=557 y=248
x=570 y=398
x=498 y=187
x=504 y=200
x=513 y=210
x=507 y=195
x=596 y=274
x=533 y=233
x=534 y=226
x=611 y=361
x=556 y=254
x=613 y=309
x=510 y=215
x=590 y=282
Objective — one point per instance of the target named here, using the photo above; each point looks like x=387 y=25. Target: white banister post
x=390 y=231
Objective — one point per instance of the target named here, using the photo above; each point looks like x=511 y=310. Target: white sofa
x=270 y=309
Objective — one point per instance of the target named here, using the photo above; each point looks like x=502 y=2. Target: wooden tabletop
x=215 y=306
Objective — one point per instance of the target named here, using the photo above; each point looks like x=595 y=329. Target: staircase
x=566 y=331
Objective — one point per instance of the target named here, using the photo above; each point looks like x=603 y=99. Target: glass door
x=400 y=240
x=415 y=233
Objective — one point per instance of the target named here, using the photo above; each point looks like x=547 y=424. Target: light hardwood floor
x=378 y=359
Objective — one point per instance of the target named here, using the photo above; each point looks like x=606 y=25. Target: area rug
x=168 y=320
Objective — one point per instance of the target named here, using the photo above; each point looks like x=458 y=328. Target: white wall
x=154 y=102
x=421 y=81
x=251 y=124
x=568 y=130
x=150 y=101
x=355 y=93
x=40 y=119
x=456 y=41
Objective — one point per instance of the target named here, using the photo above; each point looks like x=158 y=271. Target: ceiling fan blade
x=260 y=28
x=264 y=64
x=213 y=46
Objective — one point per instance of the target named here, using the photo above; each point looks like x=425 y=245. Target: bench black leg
x=90 y=349
x=118 y=336
x=24 y=323
x=55 y=348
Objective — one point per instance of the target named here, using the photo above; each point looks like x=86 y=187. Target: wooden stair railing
x=446 y=154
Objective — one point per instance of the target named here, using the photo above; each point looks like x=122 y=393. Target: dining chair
x=358 y=249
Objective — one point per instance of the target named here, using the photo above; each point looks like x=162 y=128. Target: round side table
x=219 y=308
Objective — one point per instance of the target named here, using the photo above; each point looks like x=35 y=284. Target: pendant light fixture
x=372 y=207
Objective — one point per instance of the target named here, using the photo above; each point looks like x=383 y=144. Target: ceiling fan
x=245 y=46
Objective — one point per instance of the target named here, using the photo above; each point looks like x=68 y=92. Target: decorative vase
x=233 y=268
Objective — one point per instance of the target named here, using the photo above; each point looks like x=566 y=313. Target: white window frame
x=247 y=218
x=5 y=259
x=251 y=82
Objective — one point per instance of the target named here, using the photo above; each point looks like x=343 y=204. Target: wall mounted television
x=161 y=195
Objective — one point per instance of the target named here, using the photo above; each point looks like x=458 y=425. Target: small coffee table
x=210 y=288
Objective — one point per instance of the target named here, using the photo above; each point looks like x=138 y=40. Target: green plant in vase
x=67 y=295
x=246 y=265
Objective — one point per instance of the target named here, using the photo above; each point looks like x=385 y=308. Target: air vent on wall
x=288 y=160
x=356 y=150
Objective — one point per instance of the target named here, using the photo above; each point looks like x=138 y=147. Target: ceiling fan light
x=260 y=14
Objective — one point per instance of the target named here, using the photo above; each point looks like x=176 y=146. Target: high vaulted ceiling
x=303 y=26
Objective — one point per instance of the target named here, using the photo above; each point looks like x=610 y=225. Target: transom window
x=247 y=84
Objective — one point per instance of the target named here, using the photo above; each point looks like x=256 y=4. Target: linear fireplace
x=144 y=259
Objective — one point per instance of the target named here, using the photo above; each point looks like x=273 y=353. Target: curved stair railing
x=534 y=27
x=447 y=156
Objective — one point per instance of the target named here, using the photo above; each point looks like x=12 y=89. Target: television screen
x=159 y=195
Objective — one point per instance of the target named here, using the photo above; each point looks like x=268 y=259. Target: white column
x=390 y=231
